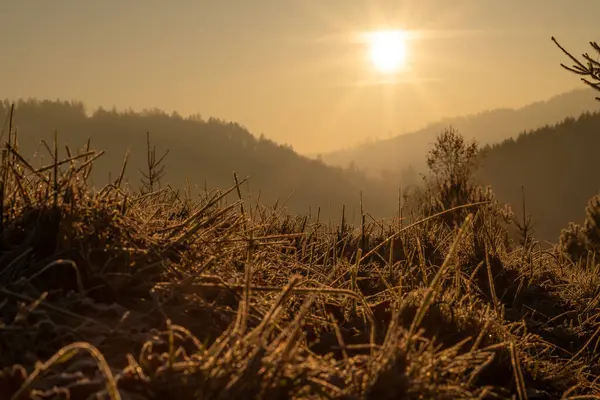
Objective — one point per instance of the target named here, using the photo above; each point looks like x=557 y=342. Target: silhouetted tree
x=452 y=158
x=155 y=168
x=452 y=161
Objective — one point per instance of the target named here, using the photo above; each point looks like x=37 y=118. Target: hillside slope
x=556 y=164
x=487 y=127
x=206 y=152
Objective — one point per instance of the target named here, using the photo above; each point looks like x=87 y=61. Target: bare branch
x=591 y=71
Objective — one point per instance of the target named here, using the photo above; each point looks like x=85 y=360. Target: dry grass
x=122 y=295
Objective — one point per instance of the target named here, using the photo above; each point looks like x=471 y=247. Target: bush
x=578 y=242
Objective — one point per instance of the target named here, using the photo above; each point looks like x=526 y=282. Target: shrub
x=579 y=241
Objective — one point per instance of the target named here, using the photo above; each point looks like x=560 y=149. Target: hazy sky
x=291 y=68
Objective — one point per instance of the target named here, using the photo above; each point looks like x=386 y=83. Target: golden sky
x=293 y=69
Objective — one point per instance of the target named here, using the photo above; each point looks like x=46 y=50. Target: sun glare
x=387 y=50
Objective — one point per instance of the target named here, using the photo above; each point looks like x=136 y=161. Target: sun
x=387 y=50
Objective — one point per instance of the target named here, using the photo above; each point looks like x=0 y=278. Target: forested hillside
x=558 y=167
x=205 y=151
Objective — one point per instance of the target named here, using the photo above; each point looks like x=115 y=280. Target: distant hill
x=559 y=167
x=203 y=151
x=487 y=127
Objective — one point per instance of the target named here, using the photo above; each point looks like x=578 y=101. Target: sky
x=293 y=69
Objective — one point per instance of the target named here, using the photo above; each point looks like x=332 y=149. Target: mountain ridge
x=487 y=127
x=207 y=152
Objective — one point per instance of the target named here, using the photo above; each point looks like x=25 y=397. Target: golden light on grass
x=387 y=50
